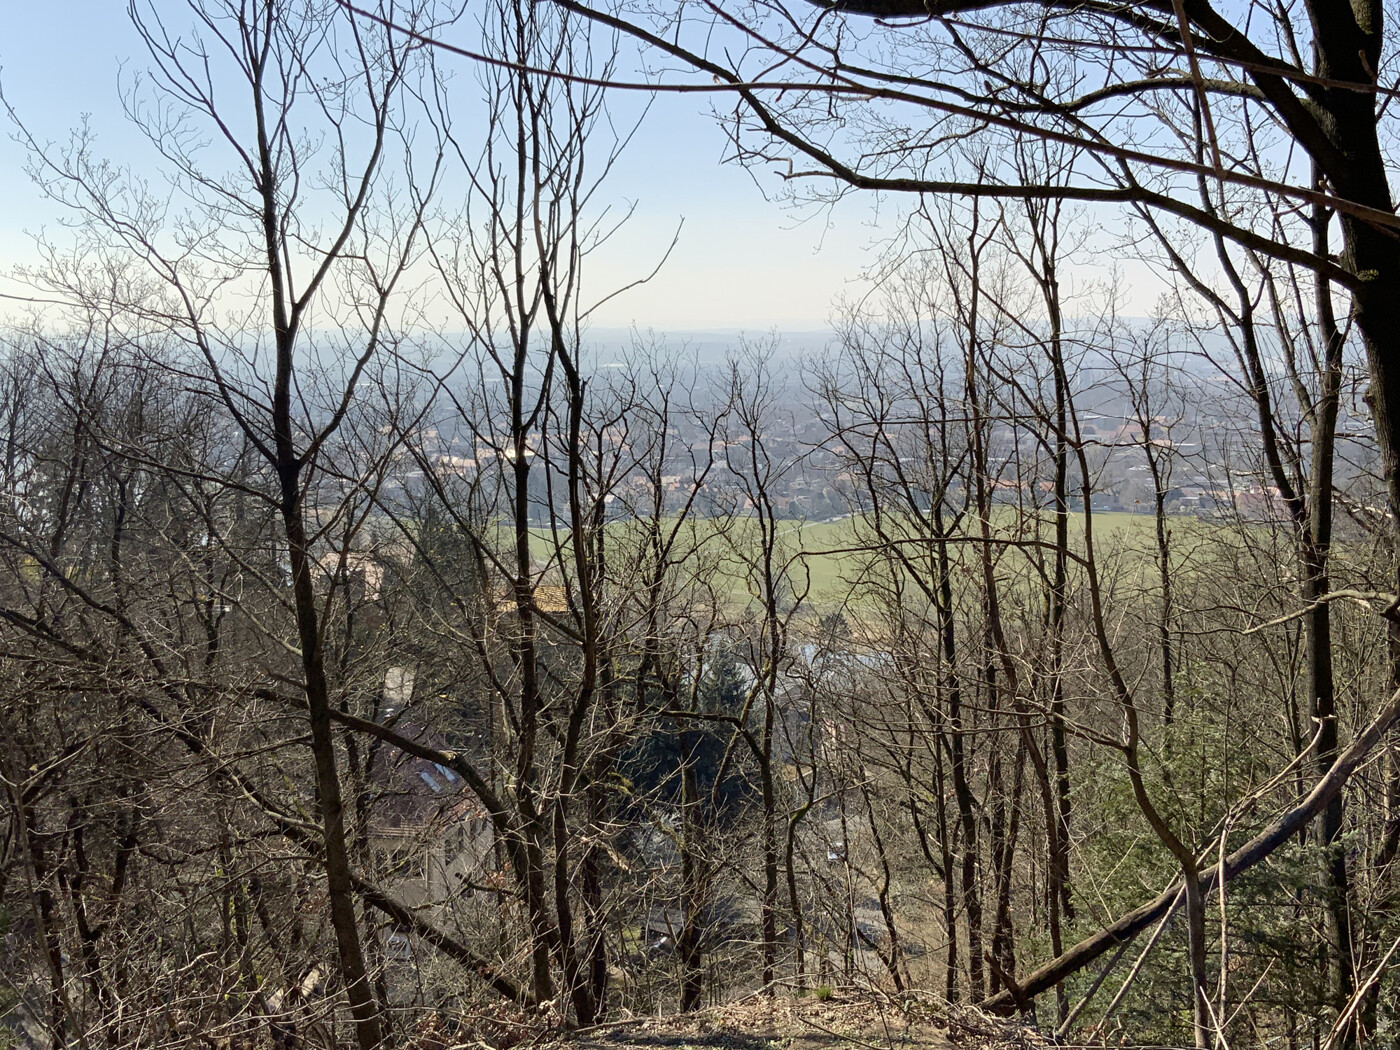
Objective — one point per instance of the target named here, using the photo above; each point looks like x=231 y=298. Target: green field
x=829 y=559
x=835 y=555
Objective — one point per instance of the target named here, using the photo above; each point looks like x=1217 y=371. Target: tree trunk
x=339 y=890
x=688 y=945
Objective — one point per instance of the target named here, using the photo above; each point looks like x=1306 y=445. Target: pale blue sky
x=743 y=261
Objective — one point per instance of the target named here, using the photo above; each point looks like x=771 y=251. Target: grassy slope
x=830 y=556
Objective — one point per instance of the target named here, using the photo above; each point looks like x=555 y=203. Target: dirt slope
x=840 y=1021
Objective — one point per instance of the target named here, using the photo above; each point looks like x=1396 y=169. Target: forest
x=388 y=660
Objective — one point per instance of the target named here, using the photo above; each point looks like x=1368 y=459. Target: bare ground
x=844 y=1019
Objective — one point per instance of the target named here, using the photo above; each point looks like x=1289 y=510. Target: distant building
x=431 y=838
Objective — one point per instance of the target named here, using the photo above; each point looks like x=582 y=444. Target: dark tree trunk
x=339 y=890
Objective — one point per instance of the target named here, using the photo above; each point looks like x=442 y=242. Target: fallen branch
x=1279 y=831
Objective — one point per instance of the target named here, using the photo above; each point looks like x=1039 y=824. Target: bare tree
x=292 y=232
